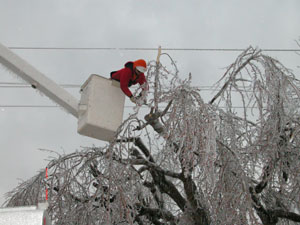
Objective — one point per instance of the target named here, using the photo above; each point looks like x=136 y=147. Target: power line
x=23 y=85
x=29 y=106
x=150 y=49
x=18 y=84
x=56 y=106
x=43 y=106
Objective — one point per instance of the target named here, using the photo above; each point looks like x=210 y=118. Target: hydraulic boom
x=38 y=80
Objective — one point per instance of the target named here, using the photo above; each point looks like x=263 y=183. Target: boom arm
x=38 y=80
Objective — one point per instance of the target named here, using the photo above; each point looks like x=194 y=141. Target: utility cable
x=151 y=49
x=43 y=106
x=25 y=85
x=56 y=106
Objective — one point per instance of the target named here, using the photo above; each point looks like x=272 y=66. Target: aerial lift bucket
x=101 y=108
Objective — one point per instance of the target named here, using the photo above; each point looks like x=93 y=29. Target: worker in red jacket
x=132 y=73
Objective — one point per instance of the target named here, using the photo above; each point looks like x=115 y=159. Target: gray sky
x=120 y=24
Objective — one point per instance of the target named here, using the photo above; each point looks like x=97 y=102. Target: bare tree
x=187 y=161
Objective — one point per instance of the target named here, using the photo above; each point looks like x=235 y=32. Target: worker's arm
x=124 y=80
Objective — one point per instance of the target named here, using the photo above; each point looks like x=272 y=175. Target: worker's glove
x=133 y=99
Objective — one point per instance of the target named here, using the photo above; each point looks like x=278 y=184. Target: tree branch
x=139 y=143
x=158 y=174
x=287 y=215
x=200 y=214
x=267 y=217
x=154 y=116
x=261 y=185
x=231 y=78
x=153 y=190
x=155 y=167
x=155 y=214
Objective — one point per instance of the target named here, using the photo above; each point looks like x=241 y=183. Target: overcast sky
x=267 y=24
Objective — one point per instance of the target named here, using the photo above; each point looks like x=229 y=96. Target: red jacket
x=126 y=77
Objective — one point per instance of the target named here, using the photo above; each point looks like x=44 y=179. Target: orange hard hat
x=140 y=65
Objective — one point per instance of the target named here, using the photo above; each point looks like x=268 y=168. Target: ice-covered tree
x=187 y=161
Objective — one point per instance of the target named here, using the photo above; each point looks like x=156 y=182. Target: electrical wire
x=56 y=106
x=43 y=106
x=29 y=106
x=25 y=85
x=150 y=49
